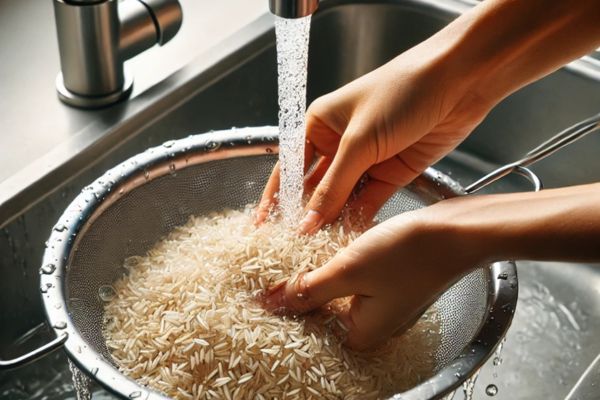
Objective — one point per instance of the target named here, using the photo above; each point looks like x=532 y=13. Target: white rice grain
x=185 y=320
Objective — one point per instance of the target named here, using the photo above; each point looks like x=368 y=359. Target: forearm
x=555 y=224
x=502 y=45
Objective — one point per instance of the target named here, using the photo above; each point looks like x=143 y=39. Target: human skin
x=393 y=123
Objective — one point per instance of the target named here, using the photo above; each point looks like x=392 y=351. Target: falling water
x=81 y=383
x=292 y=59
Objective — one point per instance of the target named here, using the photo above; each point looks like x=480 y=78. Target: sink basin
x=555 y=329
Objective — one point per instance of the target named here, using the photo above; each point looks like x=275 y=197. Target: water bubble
x=45 y=288
x=106 y=292
x=146 y=174
x=60 y=325
x=497 y=361
x=269 y=150
x=48 y=269
x=212 y=146
x=168 y=144
x=135 y=395
x=172 y=167
x=94 y=371
x=491 y=390
x=60 y=228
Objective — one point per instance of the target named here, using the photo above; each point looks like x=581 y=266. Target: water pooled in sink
x=292 y=59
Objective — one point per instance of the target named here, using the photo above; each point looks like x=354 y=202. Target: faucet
x=95 y=37
x=293 y=8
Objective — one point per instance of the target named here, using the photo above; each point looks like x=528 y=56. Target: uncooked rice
x=185 y=320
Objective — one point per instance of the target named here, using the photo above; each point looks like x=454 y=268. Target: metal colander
x=133 y=205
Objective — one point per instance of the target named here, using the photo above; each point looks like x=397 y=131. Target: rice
x=184 y=320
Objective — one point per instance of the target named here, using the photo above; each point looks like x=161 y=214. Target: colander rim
x=154 y=163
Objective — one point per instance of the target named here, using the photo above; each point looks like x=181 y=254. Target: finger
x=369 y=200
x=396 y=171
x=384 y=180
x=313 y=289
x=268 y=199
x=316 y=174
x=269 y=196
x=333 y=190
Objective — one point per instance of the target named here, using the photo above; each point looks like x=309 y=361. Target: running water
x=81 y=383
x=292 y=59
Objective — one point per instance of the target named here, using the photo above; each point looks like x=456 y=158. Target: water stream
x=292 y=60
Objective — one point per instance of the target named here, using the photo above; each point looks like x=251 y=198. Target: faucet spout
x=293 y=8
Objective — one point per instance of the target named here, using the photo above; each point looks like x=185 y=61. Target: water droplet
x=95 y=371
x=106 y=292
x=269 y=150
x=60 y=325
x=212 y=146
x=135 y=395
x=497 y=361
x=58 y=306
x=491 y=390
x=146 y=175
x=45 y=288
x=172 y=167
x=503 y=276
x=48 y=269
x=60 y=228
x=121 y=191
x=168 y=144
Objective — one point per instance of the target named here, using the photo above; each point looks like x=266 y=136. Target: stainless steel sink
x=554 y=334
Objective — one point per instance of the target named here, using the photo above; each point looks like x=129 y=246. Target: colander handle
x=552 y=145
x=35 y=354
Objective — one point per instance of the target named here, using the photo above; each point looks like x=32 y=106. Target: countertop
x=35 y=126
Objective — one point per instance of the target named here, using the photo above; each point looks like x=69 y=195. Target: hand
x=399 y=119
x=393 y=272
x=397 y=269
x=391 y=124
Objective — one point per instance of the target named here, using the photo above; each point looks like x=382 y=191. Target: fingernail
x=311 y=222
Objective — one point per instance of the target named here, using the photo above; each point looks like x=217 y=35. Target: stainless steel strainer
x=133 y=205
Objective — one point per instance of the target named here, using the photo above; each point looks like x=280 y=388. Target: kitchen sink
x=554 y=334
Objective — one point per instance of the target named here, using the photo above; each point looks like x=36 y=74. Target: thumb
x=311 y=290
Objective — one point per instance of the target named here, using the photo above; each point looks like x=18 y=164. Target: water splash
x=292 y=60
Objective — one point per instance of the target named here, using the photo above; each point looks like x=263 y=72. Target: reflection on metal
x=293 y=8
x=35 y=354
x=96 y=38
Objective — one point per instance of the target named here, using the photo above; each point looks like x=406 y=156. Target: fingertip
x=311 y=223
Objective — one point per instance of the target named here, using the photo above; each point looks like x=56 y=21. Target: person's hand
x=397 y=120
x=398 y=268
x=393 y=272
x=390 y=124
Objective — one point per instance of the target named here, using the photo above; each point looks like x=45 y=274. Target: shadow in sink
x=348 y=39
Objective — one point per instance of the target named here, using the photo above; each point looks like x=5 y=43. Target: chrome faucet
x=95 y=37
x=293 y=8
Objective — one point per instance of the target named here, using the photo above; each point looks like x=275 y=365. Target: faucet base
x=91 y=102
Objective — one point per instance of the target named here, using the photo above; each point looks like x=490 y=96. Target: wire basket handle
x=550 y=146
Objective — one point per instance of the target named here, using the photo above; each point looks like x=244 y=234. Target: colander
x=127 y=210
